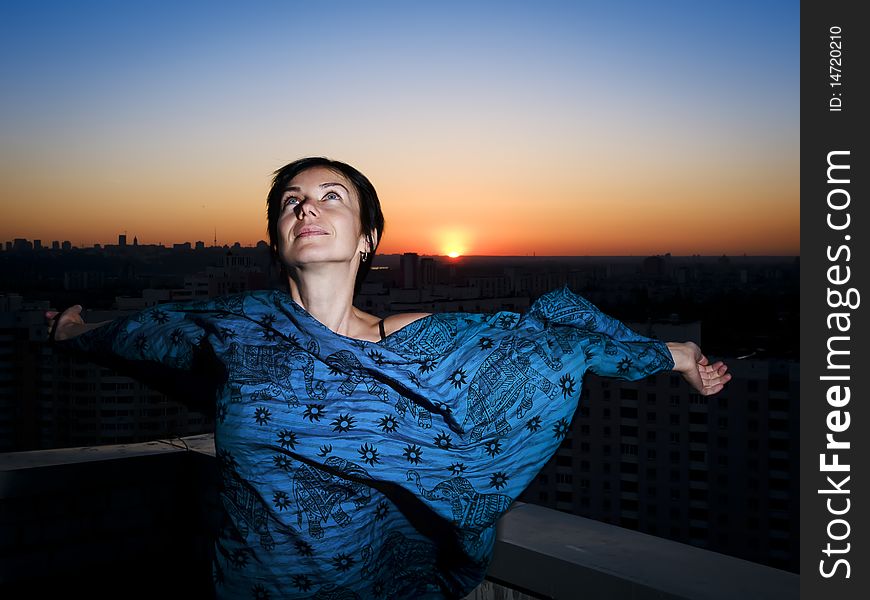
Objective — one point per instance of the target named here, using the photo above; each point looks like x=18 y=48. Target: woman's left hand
x=691 y=363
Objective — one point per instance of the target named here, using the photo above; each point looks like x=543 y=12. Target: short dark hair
x=371 y=217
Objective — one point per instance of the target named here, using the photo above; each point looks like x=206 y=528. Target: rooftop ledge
x=540 y=552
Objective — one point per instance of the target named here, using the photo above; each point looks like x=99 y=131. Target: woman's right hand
x=691 y=363
x=65 y=325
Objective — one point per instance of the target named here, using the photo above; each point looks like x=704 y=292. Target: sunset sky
x=559 y=128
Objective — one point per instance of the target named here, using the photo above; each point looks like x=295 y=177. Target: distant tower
x=427 y=272
x=135 y=241
x=122 y=240
x=215 y=236
x=408 y=266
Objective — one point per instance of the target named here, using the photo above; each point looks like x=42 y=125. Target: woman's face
x=319 y=219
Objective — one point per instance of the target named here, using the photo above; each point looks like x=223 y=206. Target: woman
x=360 y=457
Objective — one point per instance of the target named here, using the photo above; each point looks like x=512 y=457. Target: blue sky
x=188 y=107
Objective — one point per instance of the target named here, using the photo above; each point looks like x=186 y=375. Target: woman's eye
x=332 y=196
x=290 y=201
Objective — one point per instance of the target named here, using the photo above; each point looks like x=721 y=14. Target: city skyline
x=493 y=129
x=203 y=244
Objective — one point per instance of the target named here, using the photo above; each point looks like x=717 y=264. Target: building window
x=628 y=394
x=629 y=449
x=628 y=412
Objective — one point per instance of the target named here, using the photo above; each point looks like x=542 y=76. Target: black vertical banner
x=835 y=300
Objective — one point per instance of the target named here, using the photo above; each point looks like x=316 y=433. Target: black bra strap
x=381 y=329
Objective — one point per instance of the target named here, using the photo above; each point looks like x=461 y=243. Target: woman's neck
x=326 y=293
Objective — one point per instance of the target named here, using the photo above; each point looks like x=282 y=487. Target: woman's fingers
x=58 y=323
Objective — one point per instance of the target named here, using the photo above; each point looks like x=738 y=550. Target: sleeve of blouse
x=611 y=349
x=631 y=360
x=168 y=334
x=166 y=347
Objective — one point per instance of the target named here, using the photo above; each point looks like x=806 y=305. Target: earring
x=363 y=256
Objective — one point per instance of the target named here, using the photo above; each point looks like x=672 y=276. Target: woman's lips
x=309 y=231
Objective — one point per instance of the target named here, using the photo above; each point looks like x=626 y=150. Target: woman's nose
x=304 y=207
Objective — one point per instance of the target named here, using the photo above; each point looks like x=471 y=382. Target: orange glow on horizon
x=566 y=215
x=603 y=235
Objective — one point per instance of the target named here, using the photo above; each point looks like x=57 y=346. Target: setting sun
x=453 y=242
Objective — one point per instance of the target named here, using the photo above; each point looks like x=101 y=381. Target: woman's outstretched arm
x=165 y=347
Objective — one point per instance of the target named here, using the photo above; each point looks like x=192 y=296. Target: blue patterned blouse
x=355 y=469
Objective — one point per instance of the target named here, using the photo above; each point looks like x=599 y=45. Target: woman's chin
x=307 y=257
